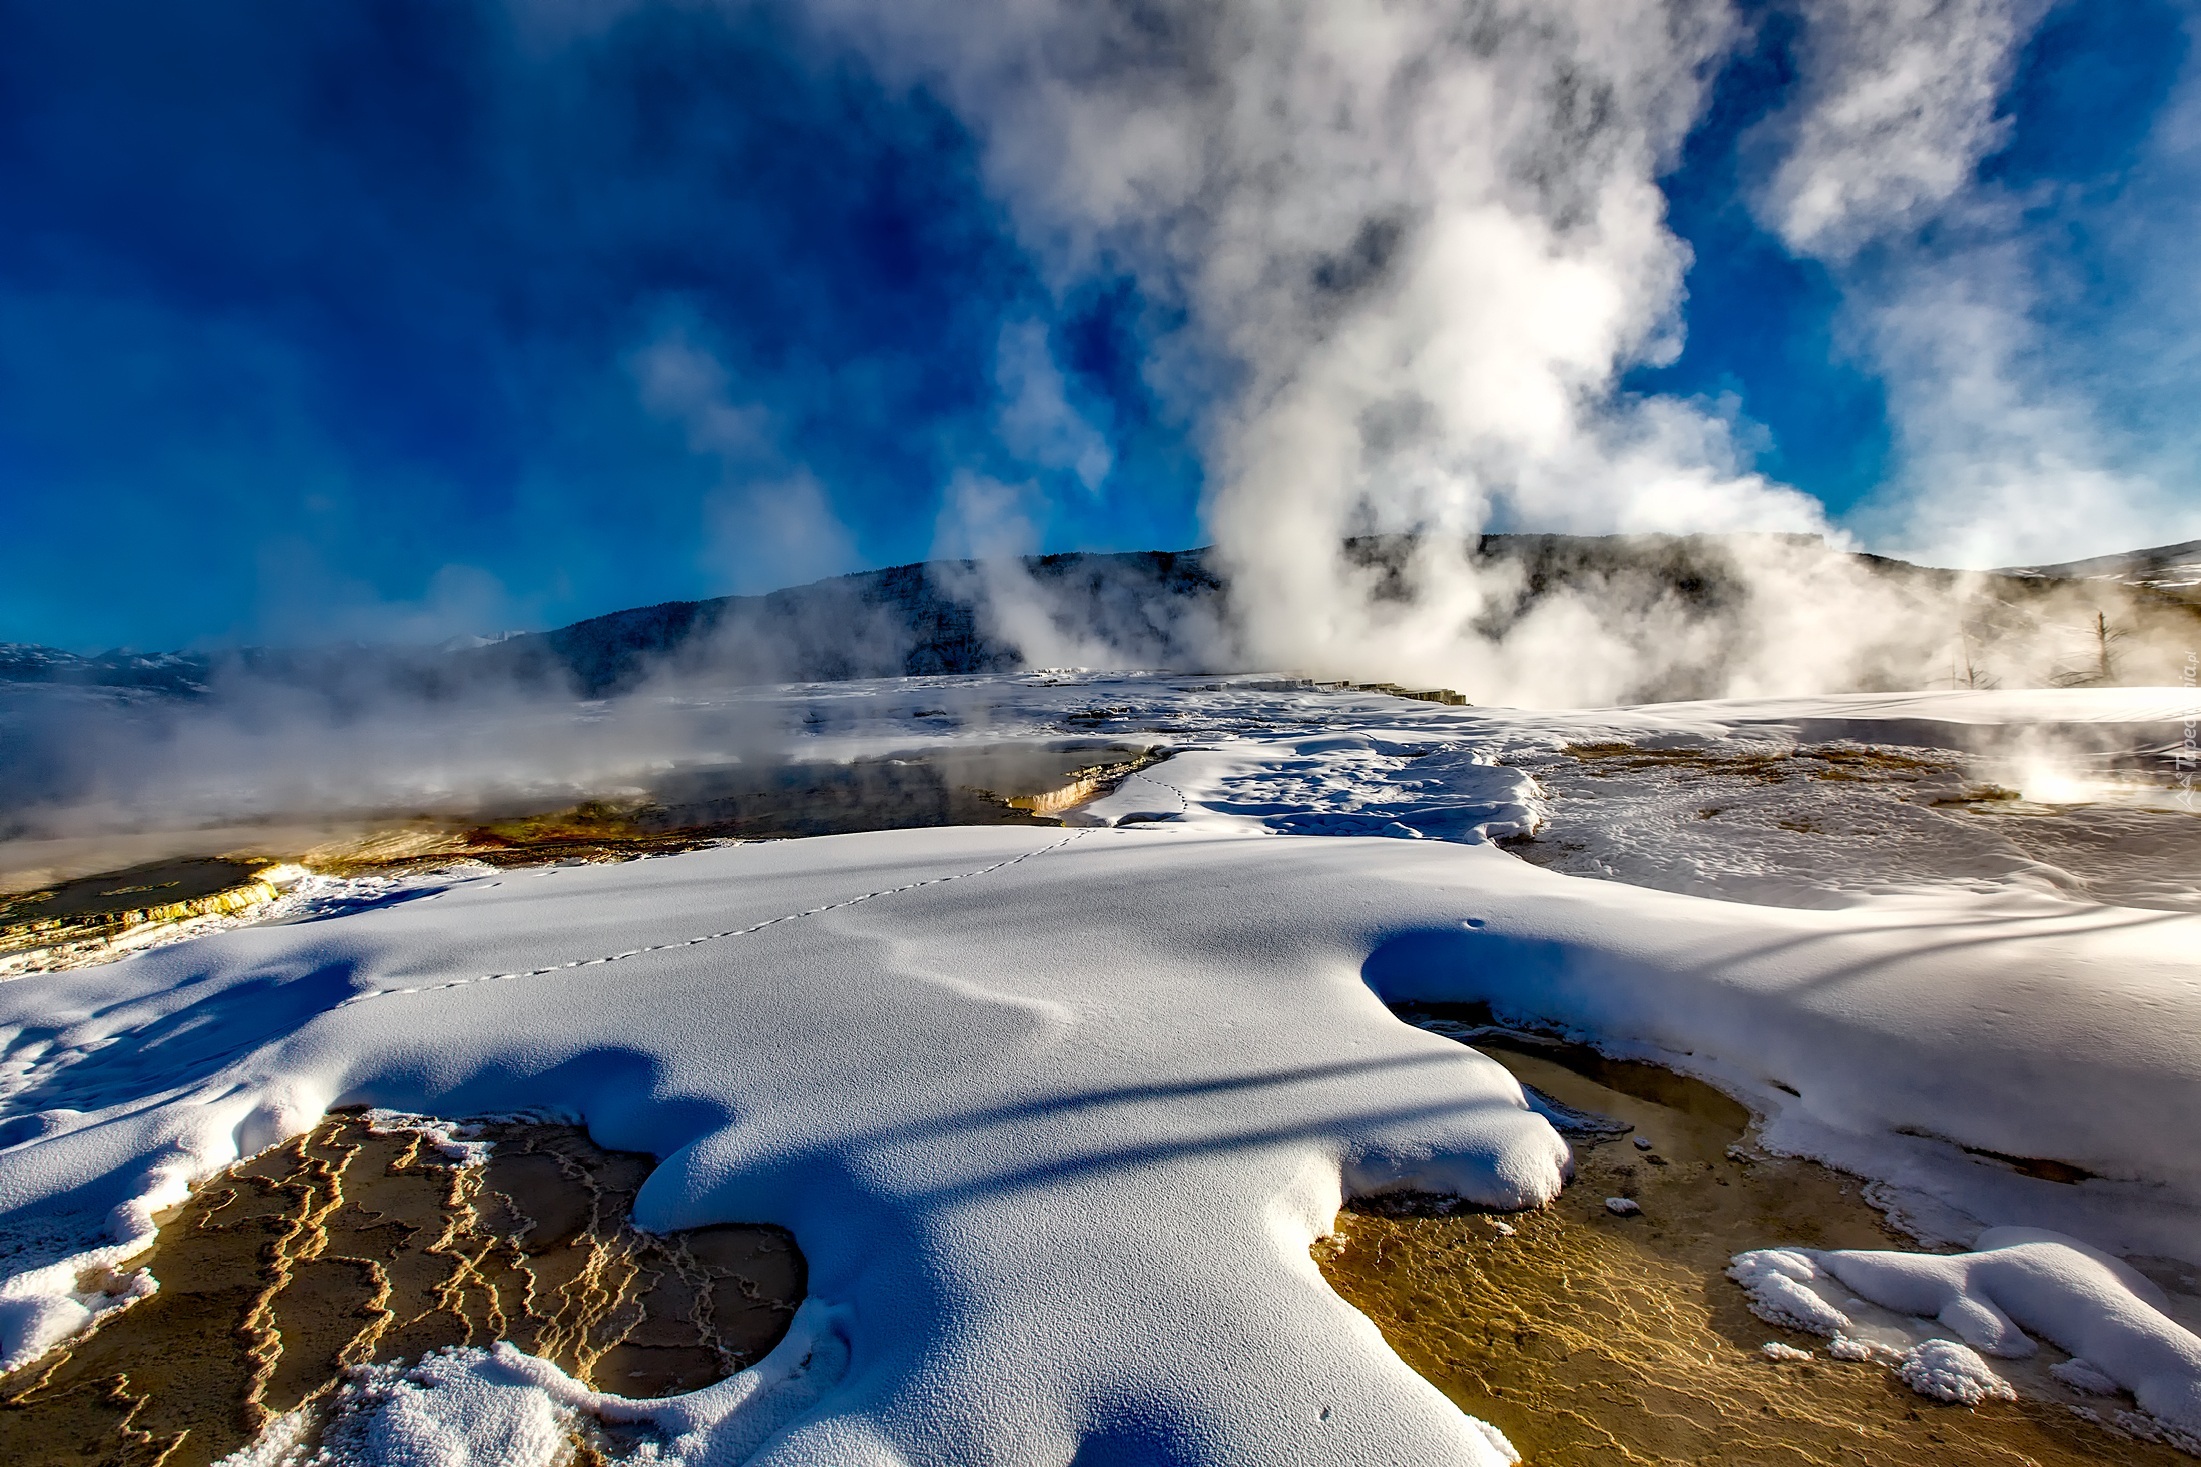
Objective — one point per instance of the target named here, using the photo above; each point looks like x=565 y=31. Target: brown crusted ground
x=347 y=1246
x=1838 y=762
x=1591 y=1338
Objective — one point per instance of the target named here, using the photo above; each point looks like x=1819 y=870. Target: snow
x=2015 y=1280
x=1777 y=1281
x=1056 y=1121
x=499 y=1407
x=1373 y=782
x=1055 y=1115
x=452 y=1140
x=1947 y=1371
x=43 y=1306
x=1998 y=707
x=299 y=895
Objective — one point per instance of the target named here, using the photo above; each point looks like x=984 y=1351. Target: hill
x=2116 y=619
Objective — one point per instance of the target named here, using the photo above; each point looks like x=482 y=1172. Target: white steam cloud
x=1900 y=102
x=1037 y=421
x=2005 y=453
x=1417 y=244
x=1415 y=247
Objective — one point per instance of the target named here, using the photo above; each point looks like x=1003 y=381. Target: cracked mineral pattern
x=349 y=1245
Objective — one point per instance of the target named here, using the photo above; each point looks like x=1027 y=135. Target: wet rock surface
x=96 y=908
x=353 y=1244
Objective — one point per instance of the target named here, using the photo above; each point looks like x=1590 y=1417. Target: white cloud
x=2009 y=448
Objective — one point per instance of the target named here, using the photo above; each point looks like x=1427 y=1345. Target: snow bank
x=2094 y=1307
x=1921 y=1040
x=1054 y=1116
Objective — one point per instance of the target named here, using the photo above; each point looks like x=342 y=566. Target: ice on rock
x=1775 y=1351
x=1843 y=1347
x=1623 y=1207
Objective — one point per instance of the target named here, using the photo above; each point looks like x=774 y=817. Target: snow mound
x=500 y=1407
x=2016 y=1280
x=1948 y=1371
x=1775 y=1279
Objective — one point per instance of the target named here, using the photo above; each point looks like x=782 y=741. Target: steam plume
x=1417 y=244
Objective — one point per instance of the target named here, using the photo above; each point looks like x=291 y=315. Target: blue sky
x=397 y=320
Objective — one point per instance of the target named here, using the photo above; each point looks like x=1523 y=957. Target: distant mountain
x=906 y=621
x=166 y=672
x=2175 y=569
x=2102 y=620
